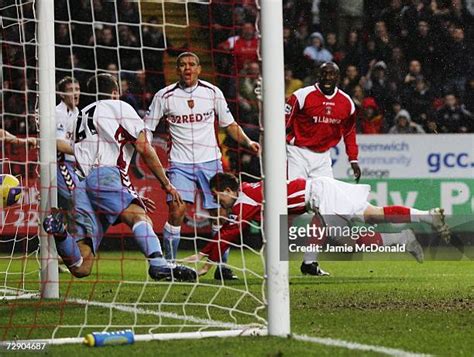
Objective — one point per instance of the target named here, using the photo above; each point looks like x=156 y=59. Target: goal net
x=19 y=242
x=137 y=42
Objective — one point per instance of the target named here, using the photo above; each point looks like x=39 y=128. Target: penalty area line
x=357 y=346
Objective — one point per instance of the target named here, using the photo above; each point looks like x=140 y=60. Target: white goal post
x=274 y=164
x=47 y=126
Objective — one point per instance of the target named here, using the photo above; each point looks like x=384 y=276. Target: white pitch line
x=170 y=315
x=358 y=346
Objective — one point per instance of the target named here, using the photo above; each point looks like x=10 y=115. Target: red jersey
x=244 y=51
x=317 y=121
x=247 y=208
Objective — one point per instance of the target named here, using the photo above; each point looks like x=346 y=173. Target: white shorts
x=305 y=163
x=333 y=197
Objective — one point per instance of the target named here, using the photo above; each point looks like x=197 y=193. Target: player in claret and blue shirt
x=66 y=115
x=106 y=135
x=192 y=110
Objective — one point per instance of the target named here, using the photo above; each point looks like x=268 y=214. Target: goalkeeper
x=107 y=133
x=324 y=195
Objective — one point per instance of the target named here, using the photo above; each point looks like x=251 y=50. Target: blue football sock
x=69 y=250
x=225 y=256
x=171 y=237
x=149 y=243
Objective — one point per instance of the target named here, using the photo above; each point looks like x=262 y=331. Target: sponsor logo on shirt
x=326 y=120
x=188 y=119
x=233 y=219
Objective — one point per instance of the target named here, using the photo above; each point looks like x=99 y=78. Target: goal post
x=274 y=164
x=47 y=125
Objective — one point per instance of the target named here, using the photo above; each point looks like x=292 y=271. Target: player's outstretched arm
x=236 y=133
x=12 y=139
x=153 y=162
x=64 y=147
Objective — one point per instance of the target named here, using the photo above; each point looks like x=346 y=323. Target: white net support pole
x=165 y=336
x=274 y=164
x=47 y=124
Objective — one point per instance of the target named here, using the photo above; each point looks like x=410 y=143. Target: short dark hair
x=187 y=54
x=332 y=64
x=221 y=181
x=61 y=86
x=103 y=85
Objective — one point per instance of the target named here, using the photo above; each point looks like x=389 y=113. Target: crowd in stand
x=407 y=64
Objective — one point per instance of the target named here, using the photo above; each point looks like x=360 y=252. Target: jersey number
x=81 y=134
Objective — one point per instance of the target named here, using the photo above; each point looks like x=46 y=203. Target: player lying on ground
x=324 y=195
x=106 y=135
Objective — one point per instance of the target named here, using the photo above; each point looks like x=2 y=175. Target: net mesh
x=136 y=41
x=19 y=263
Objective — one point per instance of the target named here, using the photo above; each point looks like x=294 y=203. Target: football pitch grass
x=422 y=308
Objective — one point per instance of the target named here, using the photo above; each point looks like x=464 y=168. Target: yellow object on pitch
x=10 y=190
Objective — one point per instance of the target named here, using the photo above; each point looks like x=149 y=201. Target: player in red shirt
x=317 y=117
x=324 y=195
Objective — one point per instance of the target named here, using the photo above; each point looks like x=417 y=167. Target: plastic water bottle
x=97 y=339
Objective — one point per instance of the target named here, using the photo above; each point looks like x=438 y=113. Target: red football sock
x=397 y=214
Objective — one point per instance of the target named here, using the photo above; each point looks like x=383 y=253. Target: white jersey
x=104 y=135
x=65 y=120
x=192 y=115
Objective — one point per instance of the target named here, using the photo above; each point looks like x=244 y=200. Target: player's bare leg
x=195 y=258
x=172 y=228
x=205 y=268
x=85 y=268
x=176 y=211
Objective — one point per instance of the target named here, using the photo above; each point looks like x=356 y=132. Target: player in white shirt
x=66 y=115
x=193 y=109
x=106 y=134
